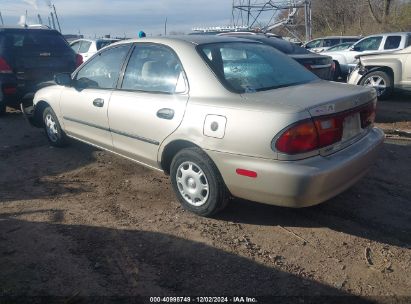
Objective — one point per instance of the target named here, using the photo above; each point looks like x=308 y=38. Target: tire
x=197 y=182
x=380 y=81
x=54 y=133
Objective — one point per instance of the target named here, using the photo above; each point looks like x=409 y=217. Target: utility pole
x=1 y=19
x=308 y=24
x=52 y=20
x=39 y=18
x=57 y=18
x=165 y=27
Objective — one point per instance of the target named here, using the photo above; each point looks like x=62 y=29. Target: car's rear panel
x=35 y=56
x=320 y=65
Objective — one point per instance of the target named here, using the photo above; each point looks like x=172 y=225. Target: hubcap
x=378 y=83
x=51 y=128
x=192 y=184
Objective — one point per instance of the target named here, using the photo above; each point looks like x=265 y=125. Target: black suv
x=28 y=58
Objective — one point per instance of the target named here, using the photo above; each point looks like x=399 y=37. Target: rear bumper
x=299 y=183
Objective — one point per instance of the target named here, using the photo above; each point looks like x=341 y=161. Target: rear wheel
x=380 y=81
x=197 y=183
x=55 y=134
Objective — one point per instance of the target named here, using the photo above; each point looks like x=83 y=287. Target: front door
x=150 y=103
x=84 y=106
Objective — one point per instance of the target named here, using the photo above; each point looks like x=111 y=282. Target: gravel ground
x=84 y=225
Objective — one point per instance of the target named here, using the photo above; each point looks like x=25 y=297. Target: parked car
x=322 y=66
x=88 y=47
x=223 y=116
x=346 y=61
x=28 y=58
x=384 y=72
x=340 y=47
x=323 y=44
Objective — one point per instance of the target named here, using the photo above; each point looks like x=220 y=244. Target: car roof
x=95 y=40
x=19 y=28
x=191 y=39
x=336 y=37
x=387 y=34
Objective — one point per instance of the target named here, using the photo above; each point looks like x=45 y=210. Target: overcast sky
x=121 y=17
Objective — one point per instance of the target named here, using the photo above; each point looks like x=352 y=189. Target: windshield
x=252 y=67
x=35 y=40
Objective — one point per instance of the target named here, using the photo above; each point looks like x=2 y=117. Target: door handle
x=165 y=113
x=98 y=102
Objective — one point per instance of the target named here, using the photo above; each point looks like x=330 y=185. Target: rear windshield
x=252 y=67
x=33 y=40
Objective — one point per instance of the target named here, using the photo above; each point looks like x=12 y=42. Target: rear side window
x=349 y=40
x=75 y=46
x=392 y=42
x=250 y=67
x=85 y=46
x=34 y=40
x=103 y=70
x=331 y=42
x=154 y=68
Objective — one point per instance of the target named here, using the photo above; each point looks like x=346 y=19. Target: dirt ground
x=88 y=226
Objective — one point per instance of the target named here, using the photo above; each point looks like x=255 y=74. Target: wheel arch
x=385 y=69
x=37 y=119
x=171 y=149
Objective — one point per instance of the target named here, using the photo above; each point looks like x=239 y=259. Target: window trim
x=124 y=68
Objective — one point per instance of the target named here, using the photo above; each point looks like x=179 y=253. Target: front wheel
x=380 y=81
x=197 y=182
x=55 y=134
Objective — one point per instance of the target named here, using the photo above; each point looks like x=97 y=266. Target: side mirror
x=63 y=79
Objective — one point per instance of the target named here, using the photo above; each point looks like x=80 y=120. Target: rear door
x=36 y=55
x=84 y=106
x=150 y=103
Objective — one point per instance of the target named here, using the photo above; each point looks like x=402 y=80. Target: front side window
x=250 y=67
x=392 y=42
x=103 y=70
x=154 y=68
x=368 y=44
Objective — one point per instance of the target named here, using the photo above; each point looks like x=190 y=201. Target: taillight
x=329 y=130
x=308 y=66
x=79 y=60
x=299 y=138
x=4 y=67
x=320 y=132
x=368 y=115
x=333 y=65
x=9 y=90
